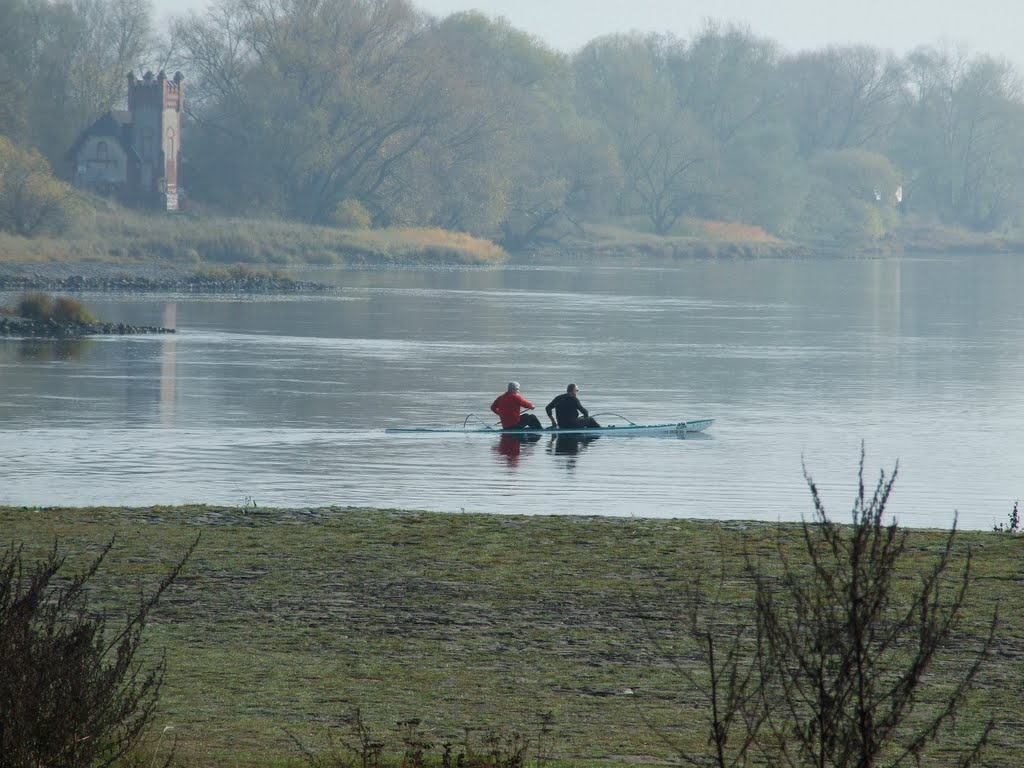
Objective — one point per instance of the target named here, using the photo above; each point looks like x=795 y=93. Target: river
x=283 y=400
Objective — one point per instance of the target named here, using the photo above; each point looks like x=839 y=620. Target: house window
x=101 y=151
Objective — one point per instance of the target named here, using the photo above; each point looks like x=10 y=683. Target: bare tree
x=626 y=83
x=843 y=97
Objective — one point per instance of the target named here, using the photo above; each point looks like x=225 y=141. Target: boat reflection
x=570 y=445
x=569 y=448
x=510 y=447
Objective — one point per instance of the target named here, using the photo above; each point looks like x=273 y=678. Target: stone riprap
x=23 y=327
x=59 y=277
x=126 y=283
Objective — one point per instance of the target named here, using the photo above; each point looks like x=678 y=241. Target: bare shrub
x=851 y=640
x=1012 y=524
x=73 y=693
x=852 y=655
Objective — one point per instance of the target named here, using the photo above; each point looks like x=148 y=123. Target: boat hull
x=677 y=428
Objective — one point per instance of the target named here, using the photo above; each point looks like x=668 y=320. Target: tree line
x=347 y=112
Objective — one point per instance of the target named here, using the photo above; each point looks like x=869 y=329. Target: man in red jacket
x=507 y=407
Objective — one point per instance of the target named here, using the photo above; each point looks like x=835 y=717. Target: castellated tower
x=155 y=104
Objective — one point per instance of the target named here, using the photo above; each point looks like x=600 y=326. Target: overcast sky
x=984 y=26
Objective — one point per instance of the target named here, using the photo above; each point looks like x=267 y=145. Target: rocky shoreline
x=180 y=284
x=51 y=329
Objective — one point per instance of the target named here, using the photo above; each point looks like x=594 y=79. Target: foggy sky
x=982 y=26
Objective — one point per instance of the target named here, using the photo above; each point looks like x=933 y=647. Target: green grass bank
x=286 y=620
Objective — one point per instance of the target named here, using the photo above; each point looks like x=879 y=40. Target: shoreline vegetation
x=187 y=241
x=285 y=621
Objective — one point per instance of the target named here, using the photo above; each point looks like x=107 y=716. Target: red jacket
x=507 y=407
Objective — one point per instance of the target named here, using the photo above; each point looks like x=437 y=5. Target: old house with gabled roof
x=135 y=154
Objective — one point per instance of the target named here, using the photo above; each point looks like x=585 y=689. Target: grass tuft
x=70 y=310
x=34 y=306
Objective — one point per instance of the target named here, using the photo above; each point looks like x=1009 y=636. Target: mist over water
x=282 y=401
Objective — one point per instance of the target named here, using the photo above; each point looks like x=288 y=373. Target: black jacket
x=567 y=408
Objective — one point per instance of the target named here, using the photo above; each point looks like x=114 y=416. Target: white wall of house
x=101 y=160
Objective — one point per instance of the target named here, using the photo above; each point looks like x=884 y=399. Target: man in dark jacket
x=569 y=412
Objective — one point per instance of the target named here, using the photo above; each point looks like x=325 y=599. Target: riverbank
x=111 y=235
x=286 y=620
x=114 y=238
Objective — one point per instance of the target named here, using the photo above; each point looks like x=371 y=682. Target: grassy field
x=286 y=620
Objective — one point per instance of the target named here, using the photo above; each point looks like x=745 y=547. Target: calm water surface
x=282 y=401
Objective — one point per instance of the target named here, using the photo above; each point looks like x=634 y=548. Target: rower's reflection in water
x=511 y=446
x=570 y=446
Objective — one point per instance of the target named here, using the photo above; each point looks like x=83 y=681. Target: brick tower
x=155 y=103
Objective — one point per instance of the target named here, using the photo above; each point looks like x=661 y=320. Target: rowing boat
x=675 y=427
